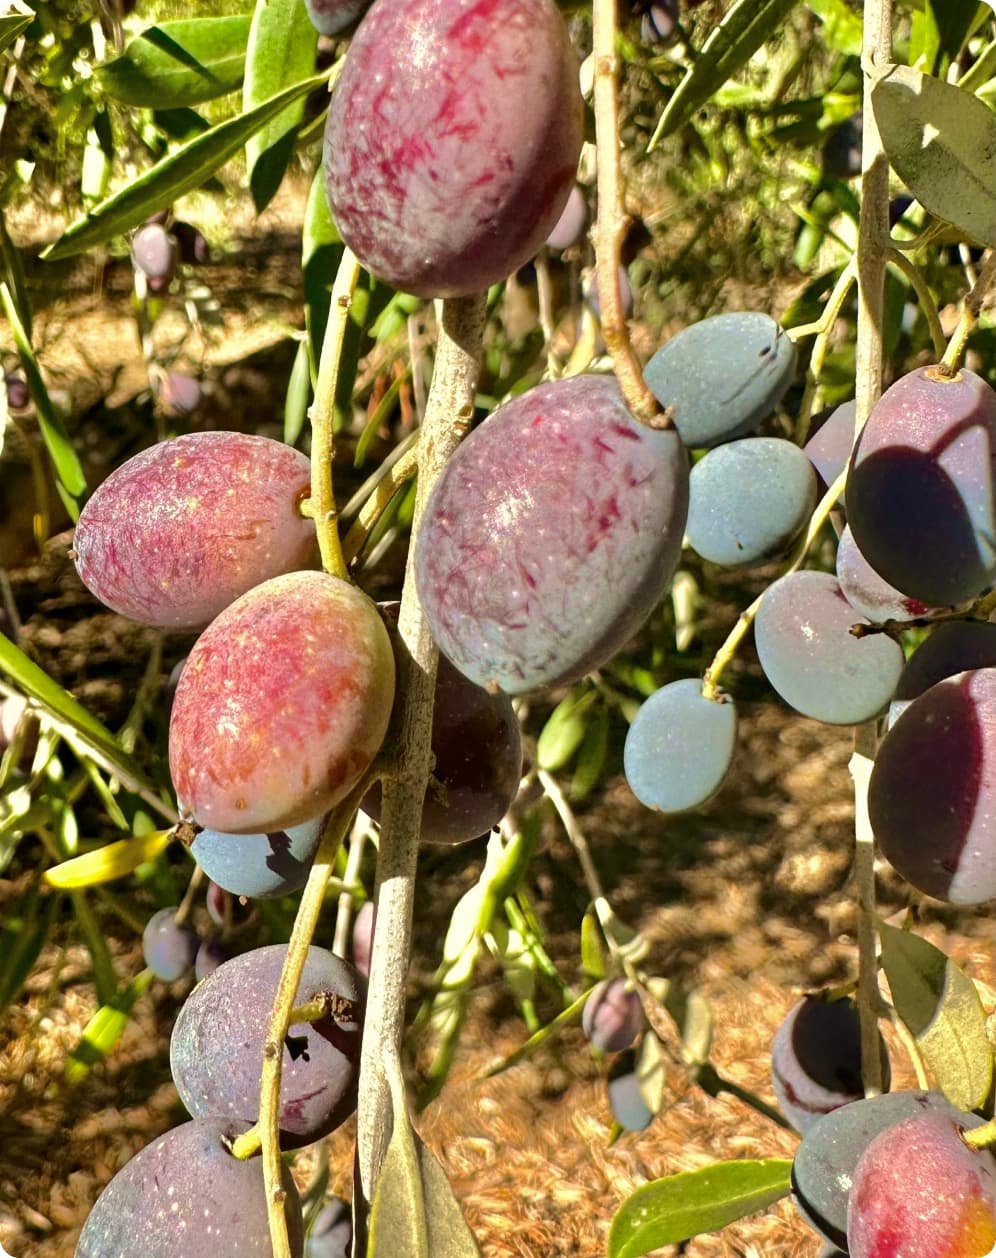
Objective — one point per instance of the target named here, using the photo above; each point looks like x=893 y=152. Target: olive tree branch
x=322 y=506
x=872 y=254
x=448 y=415
x=611 y=222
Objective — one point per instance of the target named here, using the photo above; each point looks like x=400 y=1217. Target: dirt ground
x=748 y=900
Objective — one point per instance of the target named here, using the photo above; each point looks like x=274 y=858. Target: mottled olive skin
x=453 y=140
x=185 y=1194
x=181 y=530
x=216 y=1049
x=551 y=535
x=282 y=705
x=932 y=792
x=921 y=487
x=920 y=1192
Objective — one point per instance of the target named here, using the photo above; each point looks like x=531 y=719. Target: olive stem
x=612 y=220
x=449 y=412
x=872 y=255
x=322 y=415
x=265 y=1135
x=869 y=997
x=971 y=310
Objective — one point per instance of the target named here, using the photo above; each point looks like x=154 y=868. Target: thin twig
x=924 y=296
x=323 y=509
x=377 y=503
x=971 y=311
x=344 y=912
x=612 y=221
x=266 y=1134
x=722 y=658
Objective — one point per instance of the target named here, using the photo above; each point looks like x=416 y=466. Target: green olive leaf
x=67 y=466
x=414 y=1211
x=941 y=1007
x=564 y=730
x=281 y=52
x=298 y=395
x=186 y=168
x=938 y=32
x=177 y=64
x=941 y=141
x=841 y=26
x=15 y=17
x=105 y=1028
x=679 y=1207
x=744 y=28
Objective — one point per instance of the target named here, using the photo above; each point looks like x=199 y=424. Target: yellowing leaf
x=107 y=863
x=414 y=1211
x=942 y=1009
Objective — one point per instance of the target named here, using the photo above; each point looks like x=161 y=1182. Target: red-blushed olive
x=181 y=530
x=551 y=535
x=282 y=705
x=453 y=140
x=920 y=1192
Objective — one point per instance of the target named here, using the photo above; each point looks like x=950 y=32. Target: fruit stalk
x=971 y=311
x=448 y=414
x=323 y=508
x=873 y=242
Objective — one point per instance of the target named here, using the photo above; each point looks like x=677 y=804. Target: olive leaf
x=941 y=141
